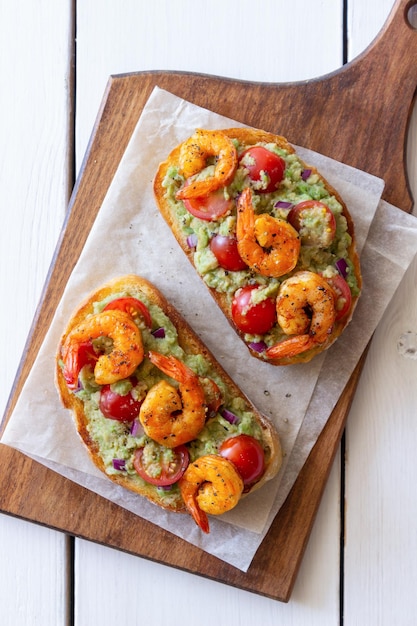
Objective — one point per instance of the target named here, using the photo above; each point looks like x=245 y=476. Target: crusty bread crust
x=191 y=344
x=248 y=137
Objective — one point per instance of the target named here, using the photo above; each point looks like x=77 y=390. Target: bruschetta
x=272 y=240
x=156 y=411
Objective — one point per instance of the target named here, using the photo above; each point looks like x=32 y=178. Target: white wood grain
x=216 y=39
x=270 y=41
x=33 y=575
x=381 y=542
x=34 y=183
x=156 y=593
x=34 y=66
x=381 y=465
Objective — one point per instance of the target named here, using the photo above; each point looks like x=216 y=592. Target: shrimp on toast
x=194 y=156
x=120 y=362
x=210 y=485
x=306 y=312
x=268 y=245
x=275 y=217
x=150 y=459
x=169 y=415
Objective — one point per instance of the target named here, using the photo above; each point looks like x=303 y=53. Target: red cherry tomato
x=298 y=218
x=225 y=250
x=85 y=355
x=263 y=160
x=343 y=295
x=170 y=472
x=209 y=208
x=255 y=319
x=116 y=407
x=247 y=455
x=132 y=306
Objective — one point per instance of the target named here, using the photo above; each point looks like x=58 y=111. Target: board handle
x=360 y=113
x=383 y=80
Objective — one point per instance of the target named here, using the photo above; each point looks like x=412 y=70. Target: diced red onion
x=305 y=174
x=136 y=429
x=258 y=346
x=159 y=333
x=281 y=204
x=342 y=267
x=119 y=464
x=79 y=386
x=192 y=240
x=229 y=416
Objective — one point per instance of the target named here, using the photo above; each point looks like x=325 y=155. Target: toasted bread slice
x=112 y=443
x=194 y=232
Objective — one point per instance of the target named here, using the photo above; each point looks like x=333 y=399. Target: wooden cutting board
x=358 y=115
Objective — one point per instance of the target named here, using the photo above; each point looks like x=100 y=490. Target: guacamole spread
x=322 y=228
x=119 y=440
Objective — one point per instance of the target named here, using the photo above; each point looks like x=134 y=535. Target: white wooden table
x=56 y=57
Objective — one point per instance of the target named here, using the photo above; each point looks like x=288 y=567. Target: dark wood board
x=358 y=115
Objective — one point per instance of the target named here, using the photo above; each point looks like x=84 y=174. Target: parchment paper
x=298 y=399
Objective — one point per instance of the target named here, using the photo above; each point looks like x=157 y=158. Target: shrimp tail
x=71 y=366
x=171 y=366
x=290 y=347
x=202 y=187
x=198 y=515
x=246 y=218
x=189 y=491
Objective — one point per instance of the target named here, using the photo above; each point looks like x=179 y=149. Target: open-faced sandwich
x=271 y=239
x=156 y=411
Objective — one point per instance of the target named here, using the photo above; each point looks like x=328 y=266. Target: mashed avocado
x=319 y=251
x=118 y=441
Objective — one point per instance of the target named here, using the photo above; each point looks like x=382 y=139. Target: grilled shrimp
x=170 y=415
x=211 y=485
x=268 y=245
x=193 y=159
x=123 y=358
x=305 y=311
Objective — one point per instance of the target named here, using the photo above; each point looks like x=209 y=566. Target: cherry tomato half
x=247 y=455
x=132 y=306
x=170 y=472
x=323 y=229
x=225 y=250
x=209 y=208
x=343 y=295
x=264 y=161
x=255 y=319
x=116 y=407
x=85 y=355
